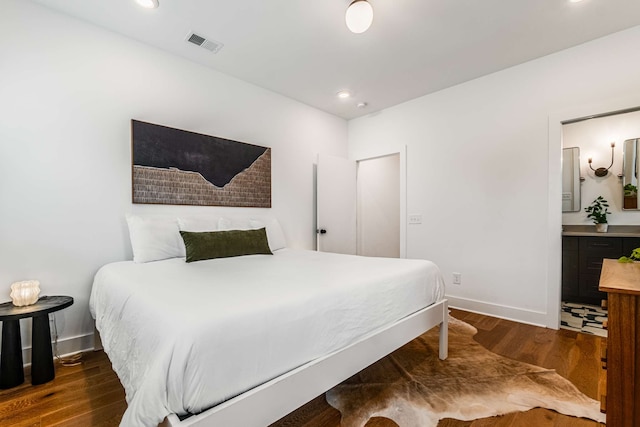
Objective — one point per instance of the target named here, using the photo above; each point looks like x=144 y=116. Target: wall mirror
x=630 y=173
x=571 y=179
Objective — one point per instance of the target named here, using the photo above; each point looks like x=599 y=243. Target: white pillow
x=154 y=239
x=198 y=224
x=235 y=224
x=275 y=236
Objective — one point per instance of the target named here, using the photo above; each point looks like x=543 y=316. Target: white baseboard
x=66 y=346
x=536 y=318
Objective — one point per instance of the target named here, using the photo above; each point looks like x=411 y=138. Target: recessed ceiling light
x=343 y=94
x=362 y=105
x=574 y=1
x=149 y=4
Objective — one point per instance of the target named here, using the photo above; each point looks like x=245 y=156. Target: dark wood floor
x=91 y=395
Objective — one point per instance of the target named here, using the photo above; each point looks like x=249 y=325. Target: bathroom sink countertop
x=590 y=230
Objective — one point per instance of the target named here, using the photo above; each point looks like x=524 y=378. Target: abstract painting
x=177 y=167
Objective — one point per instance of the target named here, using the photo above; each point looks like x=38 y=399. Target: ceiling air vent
x=208 y=44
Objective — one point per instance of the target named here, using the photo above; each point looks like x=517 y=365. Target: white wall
x=594 y=138
x=484 y=171
x=68 y=91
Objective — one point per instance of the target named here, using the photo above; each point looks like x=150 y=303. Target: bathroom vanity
x=583 y=250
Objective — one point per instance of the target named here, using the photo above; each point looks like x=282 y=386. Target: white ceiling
x=303 y=50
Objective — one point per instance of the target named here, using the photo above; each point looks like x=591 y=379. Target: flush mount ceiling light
x=149 y=4
x=343 y=94
x=359 y=16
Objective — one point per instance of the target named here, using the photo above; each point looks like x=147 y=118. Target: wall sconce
x=600 y=172
x=25 y=293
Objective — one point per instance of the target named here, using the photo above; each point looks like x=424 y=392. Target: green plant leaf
x=635 y=256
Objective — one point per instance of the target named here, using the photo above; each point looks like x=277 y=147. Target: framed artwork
x=176 y=167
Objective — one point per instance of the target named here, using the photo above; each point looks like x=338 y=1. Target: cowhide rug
x=414 y=388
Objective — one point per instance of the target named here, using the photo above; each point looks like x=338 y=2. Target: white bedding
x=185 y=337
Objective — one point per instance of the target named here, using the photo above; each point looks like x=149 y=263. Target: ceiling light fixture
x=343 y=94
x=148 y=4
x=359 y=16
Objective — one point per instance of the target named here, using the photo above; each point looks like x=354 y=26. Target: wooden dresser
x=622 y=282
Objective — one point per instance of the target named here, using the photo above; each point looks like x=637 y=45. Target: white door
x=336 y=209
x=378 y=207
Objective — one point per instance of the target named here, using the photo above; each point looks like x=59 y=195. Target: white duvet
x=185 y=337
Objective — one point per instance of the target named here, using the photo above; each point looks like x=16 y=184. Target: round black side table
x=42 y=371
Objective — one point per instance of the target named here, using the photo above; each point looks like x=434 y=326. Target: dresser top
x=620 y=277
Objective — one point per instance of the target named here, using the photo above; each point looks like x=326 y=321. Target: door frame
x=402 y=151
x=554 y=221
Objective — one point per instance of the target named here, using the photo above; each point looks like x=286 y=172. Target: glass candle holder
x=25 y=292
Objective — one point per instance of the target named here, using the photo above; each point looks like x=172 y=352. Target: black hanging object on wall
x=600 y=172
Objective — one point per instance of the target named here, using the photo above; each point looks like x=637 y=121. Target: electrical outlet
x=415 y=219
x=457 y=278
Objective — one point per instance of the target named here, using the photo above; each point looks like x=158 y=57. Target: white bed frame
x=272 y=400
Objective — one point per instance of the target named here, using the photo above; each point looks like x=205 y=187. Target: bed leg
x=444 y=334
x=97 y=342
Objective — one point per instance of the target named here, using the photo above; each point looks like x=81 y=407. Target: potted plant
x=630 y=196
x=630 y=190
x=598 y=212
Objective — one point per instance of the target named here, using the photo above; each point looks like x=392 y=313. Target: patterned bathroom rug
x=583 y=318
x=412 y=387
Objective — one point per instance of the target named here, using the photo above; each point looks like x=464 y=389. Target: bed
x=245 y=340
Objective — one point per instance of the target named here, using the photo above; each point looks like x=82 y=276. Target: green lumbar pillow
x=225 y=244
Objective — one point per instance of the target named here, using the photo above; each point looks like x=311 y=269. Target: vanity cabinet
x=582 y=264
x=570 y=269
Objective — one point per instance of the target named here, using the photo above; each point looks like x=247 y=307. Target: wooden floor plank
x=105 y=416
x=91 y=395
